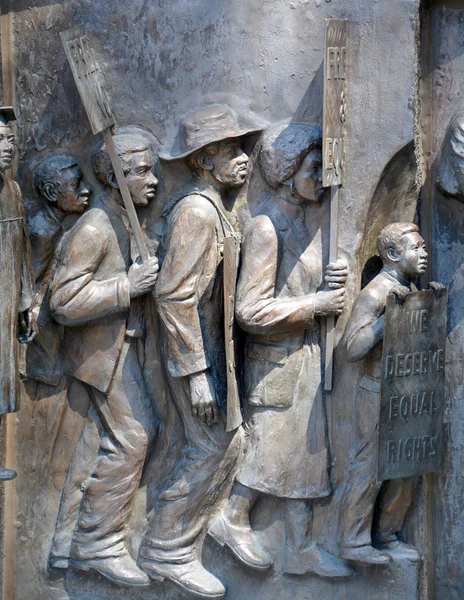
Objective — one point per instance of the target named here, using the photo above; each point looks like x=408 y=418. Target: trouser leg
x=128 y=428
x=394 y=501
x=240 y=504
x=298 y=522
x=183 y=507
x=361 y=485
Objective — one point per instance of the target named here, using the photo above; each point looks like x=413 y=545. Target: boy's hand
x=400 y=291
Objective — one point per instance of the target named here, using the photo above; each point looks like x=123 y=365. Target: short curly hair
x=126 y=145
x=284 y=148
x=391 y=236
x=48 y=169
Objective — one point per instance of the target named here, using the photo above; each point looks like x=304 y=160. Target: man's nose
x=243 y=158
x=86 y=189
x=153 y=180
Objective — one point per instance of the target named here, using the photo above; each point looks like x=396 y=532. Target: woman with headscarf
x=280 y=301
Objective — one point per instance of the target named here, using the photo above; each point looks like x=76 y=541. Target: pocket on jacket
x=271 y=374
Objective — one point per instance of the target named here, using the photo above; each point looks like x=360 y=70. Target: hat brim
x=179 y=155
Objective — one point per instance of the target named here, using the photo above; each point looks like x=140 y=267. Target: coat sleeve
x=76 y=296
x=27 y=270
x=191 y=240
x=257 y=310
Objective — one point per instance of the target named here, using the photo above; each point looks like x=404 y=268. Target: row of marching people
x=98 y=307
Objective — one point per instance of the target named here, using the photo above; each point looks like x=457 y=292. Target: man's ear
x=205 y=161
x=112 y=179
x=393 y=255
x=50 y=191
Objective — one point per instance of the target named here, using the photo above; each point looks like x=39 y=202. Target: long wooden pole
x=333 y=247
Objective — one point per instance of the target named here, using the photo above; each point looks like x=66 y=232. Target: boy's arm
x=365 y=326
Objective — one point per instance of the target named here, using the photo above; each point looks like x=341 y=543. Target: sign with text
x=334 y=101
x=88 y=78
x=413 y=385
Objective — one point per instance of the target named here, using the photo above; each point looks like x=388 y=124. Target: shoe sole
x=324 y=575
x=368 y=562
x=160 y=578
x=240 y=558
x=87 y=568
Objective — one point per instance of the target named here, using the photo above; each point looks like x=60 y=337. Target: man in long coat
x=17 y=279
x=190 y=301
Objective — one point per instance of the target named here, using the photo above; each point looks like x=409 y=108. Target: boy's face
x=413 y=256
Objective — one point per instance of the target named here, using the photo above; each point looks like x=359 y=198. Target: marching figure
x=281 y=297
x=190 y=301
x=59 y=182
x=17 y=277
x=93 y=294
x=371 y=508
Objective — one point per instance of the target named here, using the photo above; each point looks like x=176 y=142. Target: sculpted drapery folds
x=190 y=301
x=281 y=297
x=17 y=281
x=95 y=289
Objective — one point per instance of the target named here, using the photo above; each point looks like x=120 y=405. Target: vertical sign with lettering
x=334 y=101
x=413 y=385
x=332 y=149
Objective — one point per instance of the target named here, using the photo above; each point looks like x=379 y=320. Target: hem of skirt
x=309 y=495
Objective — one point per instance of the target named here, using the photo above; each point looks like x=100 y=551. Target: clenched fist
x=142 y=278
x=203 y=398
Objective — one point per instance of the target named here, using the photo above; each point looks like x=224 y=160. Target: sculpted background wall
x=163 y=58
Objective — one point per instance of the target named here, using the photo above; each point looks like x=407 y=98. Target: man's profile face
x=6 y=147
x=413 y=257
x=230 y=164
x=140 y=178
x=308 y=179
x=73 y=192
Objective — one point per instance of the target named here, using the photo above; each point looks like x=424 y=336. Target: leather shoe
x=122 y=570
x=318 y=561
x=366 y=555
x=398 y=550
x=241 y=541
x=191 y=577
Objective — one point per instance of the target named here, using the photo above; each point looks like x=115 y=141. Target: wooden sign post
x=332 y=147
x=88 y=78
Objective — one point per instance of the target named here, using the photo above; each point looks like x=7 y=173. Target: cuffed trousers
x=371 y=508
x=182 y=509
x=129 y=428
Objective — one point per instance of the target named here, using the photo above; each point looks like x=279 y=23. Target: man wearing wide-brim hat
x=190 y=301
x=17 y=279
